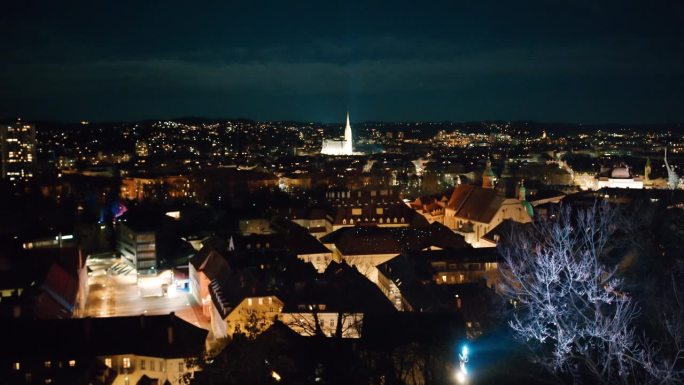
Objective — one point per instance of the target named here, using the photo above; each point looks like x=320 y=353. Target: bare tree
x=663 y=355
x=311 y=323
x=569 y=306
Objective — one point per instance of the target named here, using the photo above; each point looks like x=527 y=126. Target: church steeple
x=488 y=176
x=522 y=191
x=348 y=140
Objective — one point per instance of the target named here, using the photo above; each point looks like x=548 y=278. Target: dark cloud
x=578 y=61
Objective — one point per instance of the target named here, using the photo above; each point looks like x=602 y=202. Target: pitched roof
x=157 y=336
x=363 y=240
x=211 y=262
x=505 y=228
x=371 y=239
x=341 y=288
x=463 y=255
x=475 y=203
x=404 y=272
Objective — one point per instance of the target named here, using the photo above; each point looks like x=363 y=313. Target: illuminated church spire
x=348 y=137
x=342 y=146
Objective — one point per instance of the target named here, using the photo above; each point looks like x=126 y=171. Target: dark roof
x=463 y=255
x=211 y=262
x=20 y=268
x=475 y=203
x=158 y=336
x=406 y=273
x=362 y=240
x=341 y=288
x=505 y=228
x=371 y=239
x=303 y=212
x=54 y=272
x=230 y=290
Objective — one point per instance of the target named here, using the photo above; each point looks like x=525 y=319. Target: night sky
x=571 y=61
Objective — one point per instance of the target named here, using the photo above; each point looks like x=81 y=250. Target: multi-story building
x=110 y=350
x=17 y=150
x=139 y=248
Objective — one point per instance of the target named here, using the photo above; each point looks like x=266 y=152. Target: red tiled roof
x=475 y=203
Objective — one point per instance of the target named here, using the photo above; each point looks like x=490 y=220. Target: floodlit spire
x=348 y=149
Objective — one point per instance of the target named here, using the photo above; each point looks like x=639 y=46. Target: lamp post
x=461 y=374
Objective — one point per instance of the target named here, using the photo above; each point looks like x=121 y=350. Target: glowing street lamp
x=461 y=374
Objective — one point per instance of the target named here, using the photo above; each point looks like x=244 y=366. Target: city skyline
x=342 y=192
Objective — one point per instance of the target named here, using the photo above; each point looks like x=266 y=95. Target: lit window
x=261 y=301
x=126 y=362
x=72 y=363
x=48 y=364
x=249 y=301
x=48 y=380
x=180 y=367
x=142 y=364
x=108 y=362
x=16 y=366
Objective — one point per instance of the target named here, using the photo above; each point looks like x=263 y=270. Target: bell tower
x=488 y=176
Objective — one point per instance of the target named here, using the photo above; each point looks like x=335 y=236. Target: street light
x=461 y=374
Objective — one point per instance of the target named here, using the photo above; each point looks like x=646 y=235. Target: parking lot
x=114 y=292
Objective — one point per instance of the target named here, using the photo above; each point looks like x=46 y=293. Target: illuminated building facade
x=339 y=147
x=17 y=150
x=620 y=177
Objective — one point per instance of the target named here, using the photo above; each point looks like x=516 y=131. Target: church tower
x=488 y=176
x=348 y=148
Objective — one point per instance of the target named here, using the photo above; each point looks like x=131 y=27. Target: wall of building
x=319 y=261
x=253 y=312
x=304 y=323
